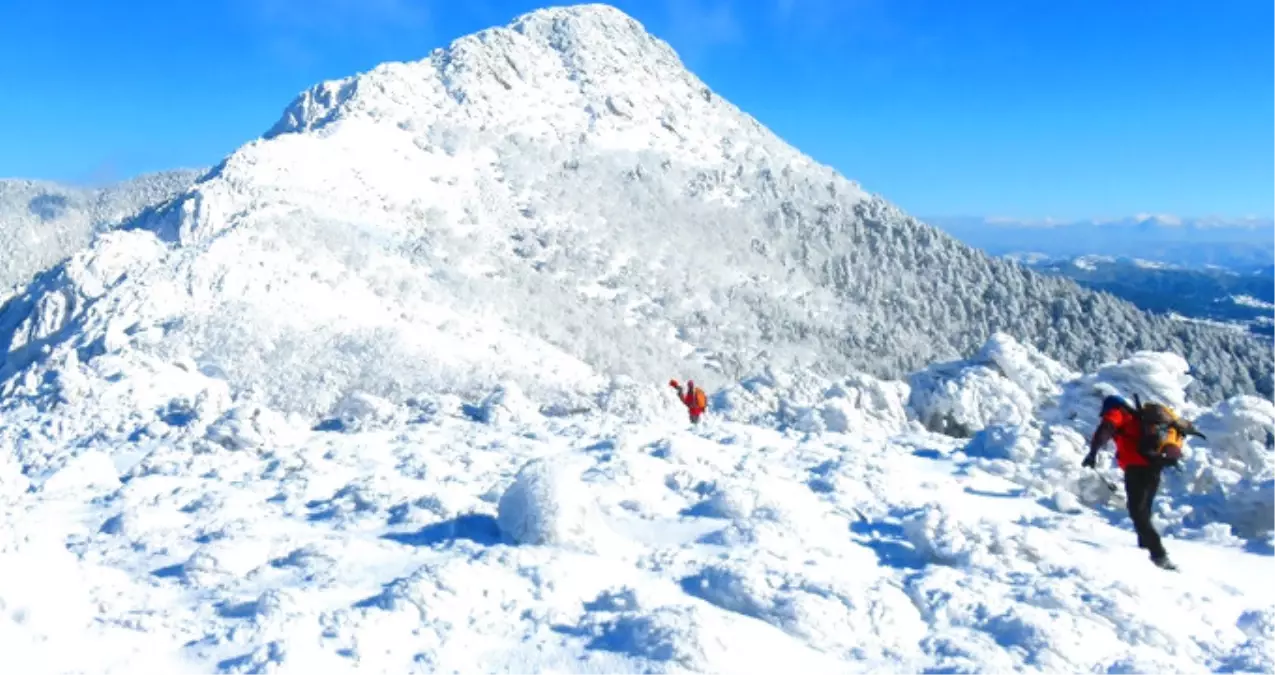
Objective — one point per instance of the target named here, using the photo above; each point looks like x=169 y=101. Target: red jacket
x=1128 y=433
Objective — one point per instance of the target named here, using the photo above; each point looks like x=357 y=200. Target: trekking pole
x=1110 y=486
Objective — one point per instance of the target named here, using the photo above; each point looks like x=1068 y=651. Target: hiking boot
x=1164 y=563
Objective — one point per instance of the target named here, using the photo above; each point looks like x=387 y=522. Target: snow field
x=455 y=538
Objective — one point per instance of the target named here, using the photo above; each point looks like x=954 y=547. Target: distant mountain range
x=1244 y=298
x=1241 y=244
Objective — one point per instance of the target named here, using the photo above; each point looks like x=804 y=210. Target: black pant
x=1140 y=486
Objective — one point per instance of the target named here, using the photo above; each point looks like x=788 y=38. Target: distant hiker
x=1148 y=438
x=694 y=399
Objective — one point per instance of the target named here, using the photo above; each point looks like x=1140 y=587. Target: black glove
x=1090 y=461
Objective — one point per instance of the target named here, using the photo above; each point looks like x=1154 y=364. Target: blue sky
x=1018 y=108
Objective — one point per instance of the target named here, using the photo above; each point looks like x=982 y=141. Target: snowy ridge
x=42 y=223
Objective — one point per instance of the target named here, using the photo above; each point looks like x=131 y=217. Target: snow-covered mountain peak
x=586 y=74
x=552 y=206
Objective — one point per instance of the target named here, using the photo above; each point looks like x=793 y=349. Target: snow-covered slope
x=553 y=203
x=42 y=223
x=805 y=526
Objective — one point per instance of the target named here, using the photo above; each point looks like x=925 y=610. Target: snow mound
x=961 y=398
x=548 y=505
x=635 y=401
x=1002 y=384
x=950 y=540
x=249 y=426
x=1037 y=374
x=1231 y=475
x=1162 y=377
x=506 y=405
x=1240 y=433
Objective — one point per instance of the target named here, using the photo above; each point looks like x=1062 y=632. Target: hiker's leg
x=1154 y=545
x=1140 y=484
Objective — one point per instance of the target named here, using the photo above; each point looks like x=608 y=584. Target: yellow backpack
x=1163 y=431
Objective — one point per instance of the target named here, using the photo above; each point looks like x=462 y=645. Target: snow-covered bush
x=248 y=426
x=1227 y=479
x=1154 y=376
x=958 y=399
x=1240 y=435
x=637 y=402
x=1038 y=375
x=360 y=410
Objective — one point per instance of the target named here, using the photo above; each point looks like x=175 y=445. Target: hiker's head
x=1111 y=402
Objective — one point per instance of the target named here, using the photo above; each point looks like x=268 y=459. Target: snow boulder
x=1038 y=375
x=1162 y=377
x=634 y=401
x=960 y=398
x=251 y=426
x=548 y=505
x=506 y=404
x=360 y=410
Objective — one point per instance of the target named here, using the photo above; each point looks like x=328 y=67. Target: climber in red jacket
x=694 y=399
x=1144 y=447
